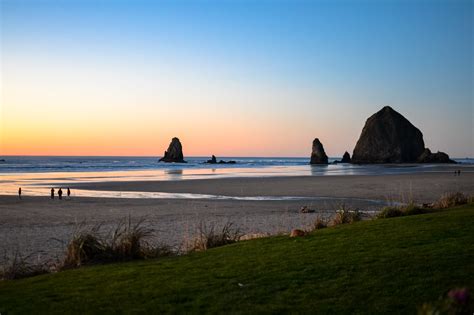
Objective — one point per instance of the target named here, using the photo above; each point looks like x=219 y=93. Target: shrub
x=126 y=242
x=390 y=212
x=413 y=209
x=410 y=209
x=451 y=200
x=346 y=216
x=319 y=224
x=129 y=241
x=209 y=236
x=85 y=247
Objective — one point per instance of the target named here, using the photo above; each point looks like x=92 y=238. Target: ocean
x=47 y=164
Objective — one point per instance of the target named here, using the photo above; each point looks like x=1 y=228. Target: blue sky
x=281 y=72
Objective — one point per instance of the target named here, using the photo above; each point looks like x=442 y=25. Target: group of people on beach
x=60 y=193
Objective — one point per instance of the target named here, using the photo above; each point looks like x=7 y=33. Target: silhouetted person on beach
x=52 y=193
x=60 y=193
x=459 y=172
x=19 y=192
x=68 y=192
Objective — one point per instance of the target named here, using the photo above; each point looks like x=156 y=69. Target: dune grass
x=378 y=266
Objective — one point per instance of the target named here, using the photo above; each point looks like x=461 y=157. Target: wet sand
x=420 y=187
x=38 y=225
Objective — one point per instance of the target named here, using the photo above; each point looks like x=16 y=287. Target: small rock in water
x=213 y=160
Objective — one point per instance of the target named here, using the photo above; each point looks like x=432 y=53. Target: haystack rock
x=388 y=137
x=174 y=152
x=318 y=156
x=346 y=158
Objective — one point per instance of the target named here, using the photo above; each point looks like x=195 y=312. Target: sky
x=231 y=77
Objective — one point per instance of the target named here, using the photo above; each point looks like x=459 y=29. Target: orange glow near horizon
x=129 y=136
x=78 y=118
x=143 y=141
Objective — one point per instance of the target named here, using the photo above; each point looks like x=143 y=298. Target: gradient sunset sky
x=231 y=78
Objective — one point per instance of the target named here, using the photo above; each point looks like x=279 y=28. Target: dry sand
x=38 y=225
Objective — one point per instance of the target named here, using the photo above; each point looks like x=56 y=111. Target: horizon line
x=190 y=156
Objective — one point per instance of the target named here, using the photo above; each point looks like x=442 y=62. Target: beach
x=39 y=226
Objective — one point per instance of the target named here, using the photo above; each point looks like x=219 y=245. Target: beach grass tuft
x=398 y=211
x=209 y=235
x=18 y=267
x=345 y=215
x=390 y=212
x=449 y=200
x=127 y=241
x=318 y=224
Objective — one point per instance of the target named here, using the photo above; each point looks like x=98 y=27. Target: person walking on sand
x=52 y=193
x=19 y=192
x=68 y=193
x=60 y=193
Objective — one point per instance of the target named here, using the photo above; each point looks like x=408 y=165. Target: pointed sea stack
x=174 y=152
x=318 y=156
x=346 y=158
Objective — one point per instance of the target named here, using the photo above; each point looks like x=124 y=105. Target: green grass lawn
x=381 y=266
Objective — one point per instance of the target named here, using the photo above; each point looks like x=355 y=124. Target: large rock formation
x=318 y=156
x=388 y=137
x=174 y=152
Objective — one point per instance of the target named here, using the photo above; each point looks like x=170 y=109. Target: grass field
x=380 y=266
